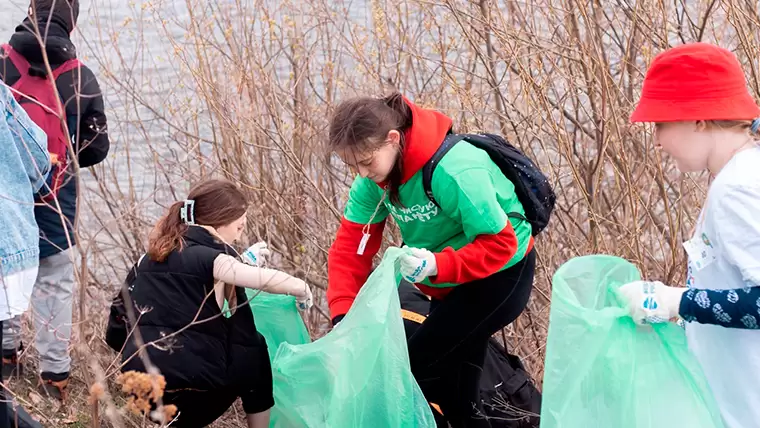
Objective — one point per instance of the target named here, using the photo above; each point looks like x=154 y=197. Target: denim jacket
x=24 y=165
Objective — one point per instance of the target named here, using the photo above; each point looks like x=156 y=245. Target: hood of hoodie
x=422 y=140
x=58 y=45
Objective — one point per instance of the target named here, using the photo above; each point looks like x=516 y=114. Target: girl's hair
x=363 y=124
x=217 y=203
x=745 y=125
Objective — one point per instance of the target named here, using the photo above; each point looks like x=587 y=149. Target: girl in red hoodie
x=474 y=260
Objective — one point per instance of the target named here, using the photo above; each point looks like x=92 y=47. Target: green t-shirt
x=474 y=196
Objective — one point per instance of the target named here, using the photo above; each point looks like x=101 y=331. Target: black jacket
x=81 y=96
x=217 y=353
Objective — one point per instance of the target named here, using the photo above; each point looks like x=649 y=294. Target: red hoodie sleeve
x=483 y=257
x=347 y=271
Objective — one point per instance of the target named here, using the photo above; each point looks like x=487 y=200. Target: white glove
x=417 y=265
x=652 y=301
x=256 y=254
x=304 y=298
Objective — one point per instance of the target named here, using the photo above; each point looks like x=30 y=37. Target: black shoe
x=12 y=366
x=54 y=385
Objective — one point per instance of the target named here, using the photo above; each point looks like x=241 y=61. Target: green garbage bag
x=358 y=375
x=277 y=319
x=602 y=370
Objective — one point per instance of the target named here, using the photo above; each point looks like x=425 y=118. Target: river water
x=127 y=45
x=99 y=22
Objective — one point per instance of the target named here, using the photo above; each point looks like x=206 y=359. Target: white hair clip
x=187 y=212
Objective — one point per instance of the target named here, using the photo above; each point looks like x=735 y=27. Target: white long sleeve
x=232 y=271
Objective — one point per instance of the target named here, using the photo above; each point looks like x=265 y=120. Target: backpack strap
x=21 y=64
x=412 y=316
x=18 y=60
x=427 y=171
x=419 y=319
x=448 y=143
x=66 y=67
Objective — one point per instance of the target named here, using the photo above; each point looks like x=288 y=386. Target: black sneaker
x=54 y=385
x=12 y=366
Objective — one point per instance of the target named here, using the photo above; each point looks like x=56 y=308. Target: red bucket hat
x=696 y=81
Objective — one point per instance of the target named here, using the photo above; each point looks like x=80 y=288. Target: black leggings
x=200 y=408
x=447 y=351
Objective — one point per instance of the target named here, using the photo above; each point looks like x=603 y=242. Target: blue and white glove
x=417 y=265
x=256 y=254
x=652 y=301
x=304 y=298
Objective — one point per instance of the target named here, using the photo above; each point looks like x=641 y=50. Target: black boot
x=11 y=365
x=55 y=385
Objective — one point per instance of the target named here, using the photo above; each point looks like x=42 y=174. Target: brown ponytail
x=216 y=203
x=363 y=124
x=167 y=235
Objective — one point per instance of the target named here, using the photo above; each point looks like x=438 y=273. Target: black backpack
x=531 y=185
x=117 y=328
x=510 y=398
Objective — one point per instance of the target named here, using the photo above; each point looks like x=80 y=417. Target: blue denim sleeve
x=739 y=308
x=30 y=140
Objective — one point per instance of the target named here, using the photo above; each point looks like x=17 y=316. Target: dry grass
x=244 y=89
